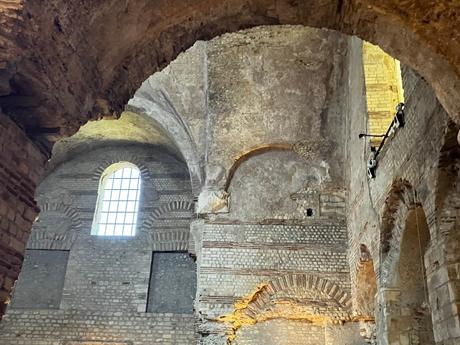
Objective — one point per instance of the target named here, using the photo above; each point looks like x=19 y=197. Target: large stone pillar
x=21 y=164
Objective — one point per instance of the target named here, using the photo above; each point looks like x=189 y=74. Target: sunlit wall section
x=383 y=88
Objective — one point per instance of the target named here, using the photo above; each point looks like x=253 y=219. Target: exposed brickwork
x=59 y=60
x=383 y=89
x=51 y=327
x=21 y=164
x=106 y=283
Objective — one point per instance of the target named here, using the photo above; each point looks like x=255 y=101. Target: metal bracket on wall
x=398 y=122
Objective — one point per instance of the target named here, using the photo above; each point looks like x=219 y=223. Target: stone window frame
x=104 y=177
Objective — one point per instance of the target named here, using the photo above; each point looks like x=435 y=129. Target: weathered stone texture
x=21 y=164
x=78 y=59
x=289 y=227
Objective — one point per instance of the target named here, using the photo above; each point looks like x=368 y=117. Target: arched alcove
x=412 y=324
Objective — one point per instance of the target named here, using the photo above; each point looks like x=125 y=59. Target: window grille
x=118 y=201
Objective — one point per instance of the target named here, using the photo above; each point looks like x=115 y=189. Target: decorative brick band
x=308 y=282
x=49 y=239
x=170 y=207
x=145 y=172
x=167 y=239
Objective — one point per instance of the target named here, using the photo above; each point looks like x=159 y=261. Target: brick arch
x=399 y=202
x=170 y=240
x=65 y=62
x=52 y=240
x=305 y=281
x=145 y=172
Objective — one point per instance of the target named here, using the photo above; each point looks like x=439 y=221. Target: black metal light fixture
x=399 y=121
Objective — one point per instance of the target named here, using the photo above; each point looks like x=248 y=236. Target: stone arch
x=411 y=317
x=177 y=239
x=270 y=291
x=45 y=49
x=404 y=313
x=304 y=297
x=56 y=238
x=255 y=151
x=153 y=101
x=399 y=202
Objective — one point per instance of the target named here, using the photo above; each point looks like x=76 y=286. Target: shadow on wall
x=411 y=322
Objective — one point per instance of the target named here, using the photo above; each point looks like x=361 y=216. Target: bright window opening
x=384 y=89
x=118 y=201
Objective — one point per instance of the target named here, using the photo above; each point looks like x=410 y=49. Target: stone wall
x=105 y=280
x=407 y=175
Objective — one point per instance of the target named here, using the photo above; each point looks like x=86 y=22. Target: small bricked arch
x=302 y=281
x=170 y=207
x=171 y=240
x=51 y=239
x=99 y=171
x=400 y=203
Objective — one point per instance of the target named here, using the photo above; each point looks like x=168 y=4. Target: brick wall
x=383 y=88
x=411 y=157
x=21 y=164
x=106 y=283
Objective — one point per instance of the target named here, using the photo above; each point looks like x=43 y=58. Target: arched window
x=118 y=201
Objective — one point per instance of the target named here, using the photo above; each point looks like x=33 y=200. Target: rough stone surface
x=291 y=236
x=78 y=59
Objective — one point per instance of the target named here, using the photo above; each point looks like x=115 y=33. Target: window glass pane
x=125 y=184
x=115 y=195
x=119 y=203
x=132 y=195
x=131 y=206
x=104 y=216
x=129 y=218
x=116 y=183
x=112 y=218
x=124 y=195
x=118 y=173
x=113 y=206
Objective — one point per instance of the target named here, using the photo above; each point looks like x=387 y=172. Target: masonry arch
x=405 y=307
x=123 y=45
x=414 y=319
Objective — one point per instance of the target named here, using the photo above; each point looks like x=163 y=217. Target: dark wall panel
x=172 y=283
x=42 y=280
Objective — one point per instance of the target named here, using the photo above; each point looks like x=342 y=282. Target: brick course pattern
x=21 y=164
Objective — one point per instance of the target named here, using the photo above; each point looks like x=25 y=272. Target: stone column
x=21 y=164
